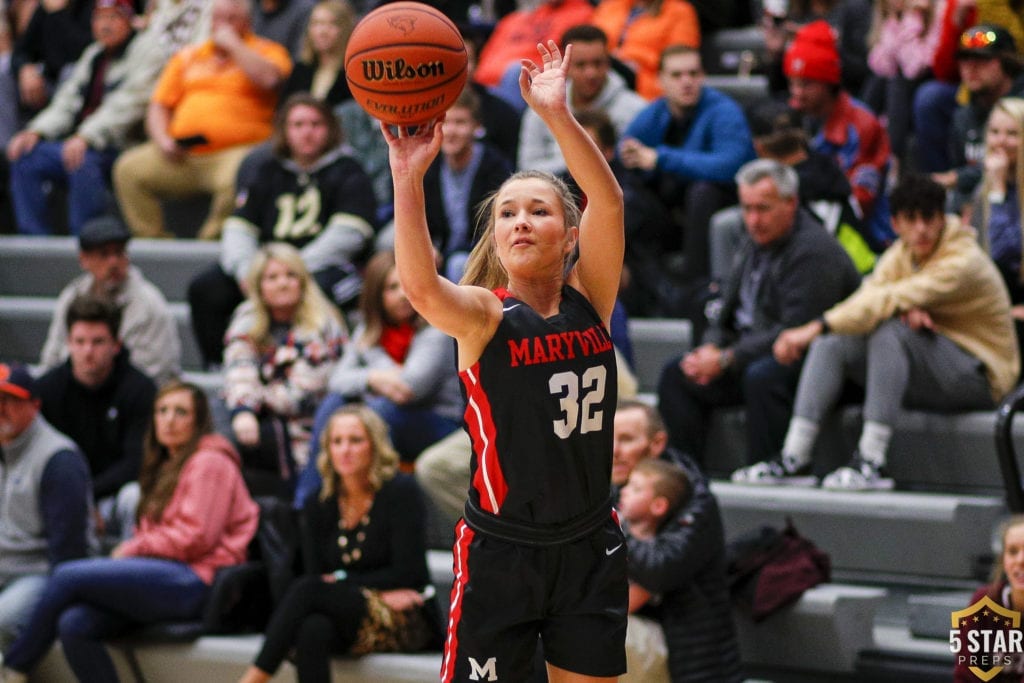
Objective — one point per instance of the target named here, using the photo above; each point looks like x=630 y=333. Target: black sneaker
x=775 y=472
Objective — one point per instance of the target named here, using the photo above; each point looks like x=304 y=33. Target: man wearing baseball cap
x=840 y=126
x=990 y=68
x=91 y=118
x=148 y=329
x=45 y=499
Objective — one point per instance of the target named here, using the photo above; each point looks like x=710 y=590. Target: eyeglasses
x=977 y=40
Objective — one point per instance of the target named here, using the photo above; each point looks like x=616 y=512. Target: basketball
x=405 y=63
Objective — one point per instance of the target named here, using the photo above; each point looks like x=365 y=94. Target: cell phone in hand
x=191 y=141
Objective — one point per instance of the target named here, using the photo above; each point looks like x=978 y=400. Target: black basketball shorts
x=573 y=596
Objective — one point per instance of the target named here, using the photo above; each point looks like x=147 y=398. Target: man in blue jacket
x=689 y=144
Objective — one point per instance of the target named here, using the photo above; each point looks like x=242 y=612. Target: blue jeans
x=934 y=102
x=88 y=601
x=88 y=187
x=18 y=598
x=412 y=430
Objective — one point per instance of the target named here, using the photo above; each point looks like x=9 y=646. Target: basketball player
x=538 y=552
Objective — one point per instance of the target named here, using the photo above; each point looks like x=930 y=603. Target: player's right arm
x=469 y=314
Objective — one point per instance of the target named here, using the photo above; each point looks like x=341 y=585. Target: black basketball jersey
x=540 y=406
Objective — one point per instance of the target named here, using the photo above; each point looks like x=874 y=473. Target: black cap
x=102 y=230
x=986 y=40
x=769 y=116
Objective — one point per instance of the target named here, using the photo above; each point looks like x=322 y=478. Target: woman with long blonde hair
x=281 y=345
x=997 y=210
x=364 y=552
x=320 y=69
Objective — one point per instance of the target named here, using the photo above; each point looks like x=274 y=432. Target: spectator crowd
x=858 y=224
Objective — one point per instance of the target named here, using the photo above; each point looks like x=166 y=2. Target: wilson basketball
x=405 y=63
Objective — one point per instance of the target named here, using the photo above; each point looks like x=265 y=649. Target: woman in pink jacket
x=195 y=516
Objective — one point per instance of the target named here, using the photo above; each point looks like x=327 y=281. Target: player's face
x=767 y=215
x=682 y=78
x=108 y=265
x=92 y=349
x=632 y=443
x=280 y=289
x=16 y=414
x=349 y=447
x=397 y=308
x=636 y=498
x=1003 y=134
x=1013 y=556
x=324 y=32
x=459 y=129
x=921 y=234
x=174 y=419
x=305 y=132
x=529 y=228
x=588 y=70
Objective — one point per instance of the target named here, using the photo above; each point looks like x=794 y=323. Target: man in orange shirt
x=213 y=102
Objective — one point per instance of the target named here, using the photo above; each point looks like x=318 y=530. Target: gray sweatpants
x=897 y=367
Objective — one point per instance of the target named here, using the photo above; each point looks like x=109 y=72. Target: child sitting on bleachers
x=648 y=503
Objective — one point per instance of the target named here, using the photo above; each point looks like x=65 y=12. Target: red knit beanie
x=813 y=54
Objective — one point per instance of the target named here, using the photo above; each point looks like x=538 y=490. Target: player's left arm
x=601 y=232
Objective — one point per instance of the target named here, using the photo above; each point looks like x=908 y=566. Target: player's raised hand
x=544 y=87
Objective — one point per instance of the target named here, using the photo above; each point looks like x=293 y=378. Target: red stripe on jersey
x=489 y=480
x=460 y=565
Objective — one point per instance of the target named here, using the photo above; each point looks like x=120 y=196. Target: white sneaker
x=859 y=475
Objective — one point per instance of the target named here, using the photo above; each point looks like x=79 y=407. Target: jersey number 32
x=579 y=399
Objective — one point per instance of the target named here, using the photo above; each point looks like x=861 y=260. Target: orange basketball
x=405 y=63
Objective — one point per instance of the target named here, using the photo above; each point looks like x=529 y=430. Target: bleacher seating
x=833 y=623
x=933 y=533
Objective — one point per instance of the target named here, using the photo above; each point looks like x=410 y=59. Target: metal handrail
x=1008 y=465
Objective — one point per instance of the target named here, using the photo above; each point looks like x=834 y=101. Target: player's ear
x=571 y=238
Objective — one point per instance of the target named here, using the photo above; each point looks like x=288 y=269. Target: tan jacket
x=960 y=289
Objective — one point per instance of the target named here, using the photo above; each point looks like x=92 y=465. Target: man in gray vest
x=44 y=499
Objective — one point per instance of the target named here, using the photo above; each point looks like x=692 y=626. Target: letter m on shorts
x=487 y=672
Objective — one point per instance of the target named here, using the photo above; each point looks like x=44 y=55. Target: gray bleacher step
x=928 y=614
x=41 y=266
x=25 y=320
x=746 y=90
x=824 y=631
x=655 y=342
x=900 y=657
x=919 y=537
